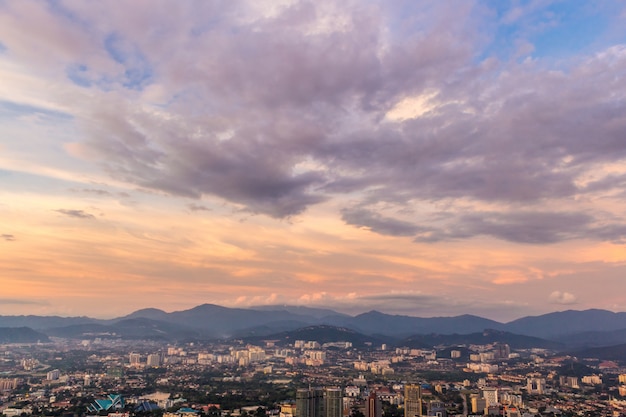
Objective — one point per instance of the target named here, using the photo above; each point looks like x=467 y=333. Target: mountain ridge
x=586 y=328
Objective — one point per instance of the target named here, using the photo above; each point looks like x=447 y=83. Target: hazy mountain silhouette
x=402 y=326
x=489 y=336
x=213 y=321
x=554 y=325
x=610 y=353
x=594 y=338
x=133 y=328
x=43 y=322
x=21 y=335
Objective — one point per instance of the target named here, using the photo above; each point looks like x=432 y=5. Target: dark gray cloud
x=524 y=227
x=8 y=237
x=377 y=223
x=78 y=214
x=527 y=227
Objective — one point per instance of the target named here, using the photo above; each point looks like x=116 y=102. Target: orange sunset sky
x=426 y=158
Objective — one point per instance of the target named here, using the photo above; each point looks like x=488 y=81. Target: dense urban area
x=301 y=378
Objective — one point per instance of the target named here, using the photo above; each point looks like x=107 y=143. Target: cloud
x=94 y=191
x=377 y=223
x=275 y=112
x=198 y=207
x=526 y=227
x=7 y=237
x=564 y=298
x=78 y=214
x=519 y=227
x=18 y=301
x=414 y=303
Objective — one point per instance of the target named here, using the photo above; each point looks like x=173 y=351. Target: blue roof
x=146 y=406
x=114 y=401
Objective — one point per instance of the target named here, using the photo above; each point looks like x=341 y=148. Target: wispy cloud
x=7 y=237
x=411 y=303
x=19 y=301
x=78 y=214
x=94 y=191
x=198 y=207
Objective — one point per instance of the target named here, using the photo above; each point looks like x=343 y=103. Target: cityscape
x=318 y=370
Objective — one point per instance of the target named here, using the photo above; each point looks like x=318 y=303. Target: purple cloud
x=280 y=109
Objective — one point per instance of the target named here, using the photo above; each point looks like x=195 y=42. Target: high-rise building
x=478 y=404
x=334 y=402
x=135 y=359
x=302 y=402
x=491 y=396
x=318 y=402
x=7 y=384
x=412 y=400
x=53 y=375
x=310 y=402
x=502 y=351
x=536 y=386
x=153 y=360
x=374 y=406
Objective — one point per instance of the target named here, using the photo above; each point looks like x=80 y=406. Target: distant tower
x=374 y=407
x=502 y=350
x=302 y=403
x=334 y=402
x=536 y=385
x=134 y=359
x=154 y=360
x=478 y=404
x=310 y=402
x=491 y=396
x=412 y=400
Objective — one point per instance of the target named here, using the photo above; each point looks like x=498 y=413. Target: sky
x=429 y=158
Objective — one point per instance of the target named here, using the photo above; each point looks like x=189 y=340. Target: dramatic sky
x=415 y=157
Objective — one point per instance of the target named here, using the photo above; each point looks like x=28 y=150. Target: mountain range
x=574 y=329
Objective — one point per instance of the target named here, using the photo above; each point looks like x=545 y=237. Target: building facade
x=412 y=400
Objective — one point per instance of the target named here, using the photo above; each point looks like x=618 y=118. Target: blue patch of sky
x=79 y=75
x=3 y=48
x=138 y=71
x=558 y=30
x=57 y=7
x=10 y=110
x=578 y=26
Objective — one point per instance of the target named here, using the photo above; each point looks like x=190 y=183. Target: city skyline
x=424 y=159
